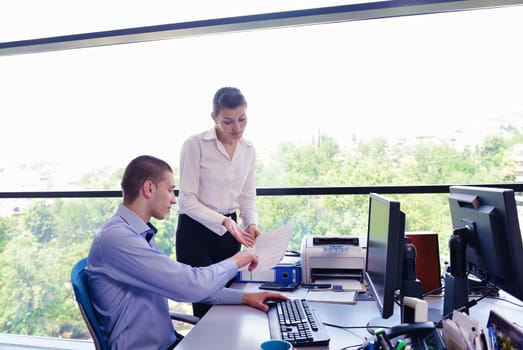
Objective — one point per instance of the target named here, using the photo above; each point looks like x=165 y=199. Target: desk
x=236 y=327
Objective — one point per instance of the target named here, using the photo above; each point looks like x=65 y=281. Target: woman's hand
x=253 y=230
x=240 y=235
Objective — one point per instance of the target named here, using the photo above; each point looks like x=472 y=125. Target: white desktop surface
x=242 y=327
x=237 y=327
x=228 y=327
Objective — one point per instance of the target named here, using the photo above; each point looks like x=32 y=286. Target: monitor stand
x=456 y=281
x=456 y=294
x=410 y=284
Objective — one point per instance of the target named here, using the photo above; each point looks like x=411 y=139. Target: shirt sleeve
x=247 y=199
x=189 y=183
x=127 y=257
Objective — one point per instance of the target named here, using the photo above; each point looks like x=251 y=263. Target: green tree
x=492 y=151
x=165 y=237
x=21 y=290
x=7 y=226
x=37 y=255
x=435 y=163
x=370 y=162
x=304 y=165
x=78 y=220
x=296 y=166
x=39 y=220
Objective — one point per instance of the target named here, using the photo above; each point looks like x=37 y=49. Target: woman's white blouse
x=212 y=185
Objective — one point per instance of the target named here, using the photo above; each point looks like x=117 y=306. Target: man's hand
x=244 y=258
x=258 y=300
x=240 y=235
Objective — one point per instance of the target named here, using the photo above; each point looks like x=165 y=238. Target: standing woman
x=217 y=180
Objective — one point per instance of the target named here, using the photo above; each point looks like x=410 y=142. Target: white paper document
x=330 y=296
x=270 y=246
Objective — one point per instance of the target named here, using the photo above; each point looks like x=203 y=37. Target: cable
x=430 y=292
x=357 y=346
x=348 y=329
x=507 y=301
x=371 y=330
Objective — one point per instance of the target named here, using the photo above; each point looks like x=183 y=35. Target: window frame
x=322 y=15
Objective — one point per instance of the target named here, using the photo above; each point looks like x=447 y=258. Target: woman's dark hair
x=138 y=171
x=227 y=97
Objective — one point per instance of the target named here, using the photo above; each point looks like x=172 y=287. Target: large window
x=444 y=83
x=431 y=99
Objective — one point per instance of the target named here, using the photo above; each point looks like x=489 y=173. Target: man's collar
x=132 y=219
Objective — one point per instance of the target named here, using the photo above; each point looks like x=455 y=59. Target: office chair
x=81 y=292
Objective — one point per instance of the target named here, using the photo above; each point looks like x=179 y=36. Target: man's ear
x=147 y=188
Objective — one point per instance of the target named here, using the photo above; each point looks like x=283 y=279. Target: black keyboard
x=294 y=321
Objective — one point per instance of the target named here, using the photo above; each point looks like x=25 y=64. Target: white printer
x=331 y=257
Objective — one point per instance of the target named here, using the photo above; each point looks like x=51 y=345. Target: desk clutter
x=321 y=259
x=333 y=270
x=389 y=287
x=464 y=332
x=461 y=332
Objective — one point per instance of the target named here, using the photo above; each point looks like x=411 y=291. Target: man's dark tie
x=149 y=235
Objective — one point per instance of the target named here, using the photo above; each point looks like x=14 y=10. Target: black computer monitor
x=485 y=224
x=385 y=244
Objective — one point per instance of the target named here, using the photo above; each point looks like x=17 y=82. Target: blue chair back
x=81 y=292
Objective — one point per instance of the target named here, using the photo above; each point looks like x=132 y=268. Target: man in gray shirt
x=131 y=280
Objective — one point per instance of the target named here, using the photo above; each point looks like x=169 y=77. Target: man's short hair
x=139 y=170
x=227 y=97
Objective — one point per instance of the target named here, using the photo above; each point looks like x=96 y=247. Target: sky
x=416 y=76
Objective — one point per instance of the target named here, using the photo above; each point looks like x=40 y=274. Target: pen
x=400 y=345
x=383 y=339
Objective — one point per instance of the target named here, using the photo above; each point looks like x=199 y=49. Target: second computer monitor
x=385 y=242
x=487 y=219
